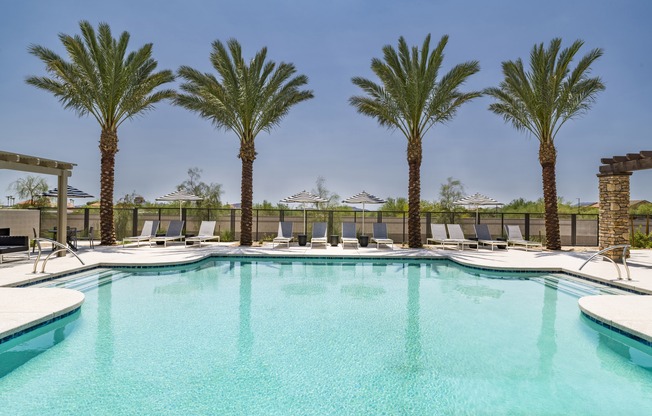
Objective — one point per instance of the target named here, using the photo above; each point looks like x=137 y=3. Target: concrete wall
x=20 y=221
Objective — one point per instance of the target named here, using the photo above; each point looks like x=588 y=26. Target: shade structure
x=476 y=200
x=304 y=197
x=364 y=198
x=72 y=193
x=180 y=195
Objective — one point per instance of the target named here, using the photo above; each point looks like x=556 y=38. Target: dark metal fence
x=575 y=229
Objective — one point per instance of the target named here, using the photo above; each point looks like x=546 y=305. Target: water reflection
x=17 y=352
x=413 y=351
x=245 y=335
x=611 y=346
x=547 y=341
x=104 y=348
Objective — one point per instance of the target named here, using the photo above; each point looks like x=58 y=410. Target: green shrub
x=267 y=237
x=641 y=240
x=226 y=235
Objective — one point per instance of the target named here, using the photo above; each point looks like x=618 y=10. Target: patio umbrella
x=180 y=196
x=476 y=200
x=73 y=193
x=364 y=198
x=304 y=197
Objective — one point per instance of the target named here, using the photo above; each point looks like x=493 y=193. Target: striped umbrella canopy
x=364 y=198
x=476 y=200
x=304 y=197
x=72 y=193
x=180 y=195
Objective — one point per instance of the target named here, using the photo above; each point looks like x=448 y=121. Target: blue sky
x=330 y=42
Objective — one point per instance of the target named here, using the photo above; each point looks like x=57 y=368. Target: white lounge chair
x=174 y=232
x=484 y=237
x=206 y=230
x=439 y=236
x=284 y=234
x=148 y=232
x=455 y=233
x=319 y=234
x=380 y=235
x=348 y=234
x=514 y=237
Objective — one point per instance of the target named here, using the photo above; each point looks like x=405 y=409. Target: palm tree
x=101 y=81
x=541 y=101
x=412 y=100
x=247 y=99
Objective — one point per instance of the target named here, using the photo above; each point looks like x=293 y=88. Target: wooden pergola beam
x=624 y=164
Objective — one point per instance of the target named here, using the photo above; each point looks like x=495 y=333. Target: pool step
x=577 y=287
x=86 y=280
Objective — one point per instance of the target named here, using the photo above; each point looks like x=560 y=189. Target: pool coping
x=26 y=309
x=624 y=316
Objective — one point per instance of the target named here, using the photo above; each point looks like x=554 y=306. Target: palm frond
x=542 y=99
x=247 y=98
x=409 y=96
x=98 y=79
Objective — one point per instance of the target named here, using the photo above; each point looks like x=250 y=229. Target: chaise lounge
x=348 y=234
x=455 y=233
x=206 y=231
x=319 y=234
x=439 y=236
x=515 y=238
x=284 y=234
x=484 y=237
x=147 y=233
x=174 y=232
x=380 y=235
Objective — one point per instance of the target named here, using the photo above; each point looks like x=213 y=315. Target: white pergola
x=34 y=164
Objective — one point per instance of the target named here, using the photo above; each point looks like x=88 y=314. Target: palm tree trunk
x=247 y=155
x=414 y=156
x=108 y=149
x=548 y=159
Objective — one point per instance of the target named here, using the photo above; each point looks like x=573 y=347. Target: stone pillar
x=614 y=212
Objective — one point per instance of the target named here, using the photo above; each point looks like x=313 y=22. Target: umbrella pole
x=363 y=219
x=179 y=210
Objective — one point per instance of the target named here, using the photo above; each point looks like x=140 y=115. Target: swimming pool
x=263 y=337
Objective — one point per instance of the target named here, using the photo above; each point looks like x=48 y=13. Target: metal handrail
x=625 y=247
x=61 y=248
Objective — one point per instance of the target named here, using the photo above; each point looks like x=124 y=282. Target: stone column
x=614 y=212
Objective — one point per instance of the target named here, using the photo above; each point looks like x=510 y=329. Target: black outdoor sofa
x=12 y=243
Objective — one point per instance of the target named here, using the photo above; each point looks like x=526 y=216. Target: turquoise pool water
x=325 y=338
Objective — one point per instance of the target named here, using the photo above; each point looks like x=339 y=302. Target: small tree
x=449 y=192
x=123 y=214
x=31 y=187
x=395 y=204
x=211 y=192
x=321 y=191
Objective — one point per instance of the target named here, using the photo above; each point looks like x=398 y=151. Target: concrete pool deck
x=22 y=308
